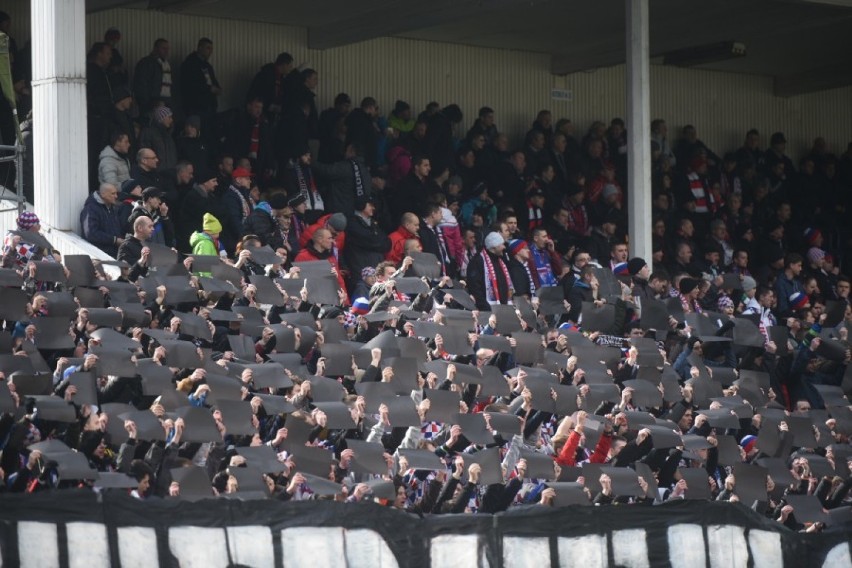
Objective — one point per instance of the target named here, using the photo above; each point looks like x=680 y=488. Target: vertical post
x=60 y=151
x=638 y=128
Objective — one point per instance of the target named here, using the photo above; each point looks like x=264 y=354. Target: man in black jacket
x=366 y=242
x=519 y=270
x=343 y=182
x=410 y=195
x=134 y=251
x=199 y=89
x=432 y=240
x=488 y=279
x=362 y=132
x=265 y=224
x=269 y=85
x=250 y=135
x=152 y=78
x=152 y=206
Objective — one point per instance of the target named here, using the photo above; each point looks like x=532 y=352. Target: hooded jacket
x=112 y=167
x=100 y=224
x=164 y=230
x=202 y=244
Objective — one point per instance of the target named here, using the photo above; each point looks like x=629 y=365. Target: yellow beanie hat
x=211 y=224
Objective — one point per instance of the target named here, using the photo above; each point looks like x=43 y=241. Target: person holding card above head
x=17 y=248
x=409 y=228
x=265 y=222
x=320 y=248
x=134 y=251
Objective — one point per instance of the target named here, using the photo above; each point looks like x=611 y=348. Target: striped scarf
x=244 y=204
x=543 y=271
x=308 y=188
x=492 y=288
x=535 y=216
x=696 y=186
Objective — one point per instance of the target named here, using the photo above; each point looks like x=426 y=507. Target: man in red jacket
x=320 y=248
x=408 y=229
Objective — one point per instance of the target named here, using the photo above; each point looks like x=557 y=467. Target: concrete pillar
x=638 y=128
x=59 y=106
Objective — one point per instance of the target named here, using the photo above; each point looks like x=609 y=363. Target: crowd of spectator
x=435 y=321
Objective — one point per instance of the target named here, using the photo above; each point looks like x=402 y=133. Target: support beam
x=93 y=6
x=393 y=18
x=638 y=84
x=60 y=154
x=753 y=21
x=822 y=79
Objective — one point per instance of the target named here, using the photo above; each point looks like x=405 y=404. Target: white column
x=59 y=106
x=638 y=128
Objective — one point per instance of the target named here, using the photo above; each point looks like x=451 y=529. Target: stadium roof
x=804 y=44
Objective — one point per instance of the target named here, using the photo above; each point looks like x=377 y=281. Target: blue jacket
x=784 y=288
x=100 y=224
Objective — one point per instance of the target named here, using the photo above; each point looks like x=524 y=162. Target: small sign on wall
x=564 y=95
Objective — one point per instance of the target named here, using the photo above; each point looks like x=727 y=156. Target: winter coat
x=148 y=81
x=336 y=184
x=202 y=244
x=361 y=132
x=261 y=223
x=130 y=252
x=196 y=94
x=366 y=244
x=159 y=139
x=113 y=168
x=164 y=230
x=309 y=253
x=100 y=224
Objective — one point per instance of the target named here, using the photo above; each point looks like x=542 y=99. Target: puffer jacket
x=113 y=168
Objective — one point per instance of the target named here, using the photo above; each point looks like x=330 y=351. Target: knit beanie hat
x=28 y=220
x=798 y=301
x=609 y=190
x=494 y=239
x=811 y=235
x=687 y=285
x=367 y=272
x=725 y=302
x=815 y=255
x=337 y=222
x=749 y=284
x=162 y=113
x=516 y=246
x=211 y=224
x=748 y=443
x=635 y=264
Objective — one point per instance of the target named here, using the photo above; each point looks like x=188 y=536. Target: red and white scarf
x=492 y=288
x=308 y=188
x=696 y=186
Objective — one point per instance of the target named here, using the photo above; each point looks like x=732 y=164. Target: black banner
x=84 y=529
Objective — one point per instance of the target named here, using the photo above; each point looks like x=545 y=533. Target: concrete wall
x=721 y=105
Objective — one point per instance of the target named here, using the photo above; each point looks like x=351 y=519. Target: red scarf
x=254 y=143
x=491 y=277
